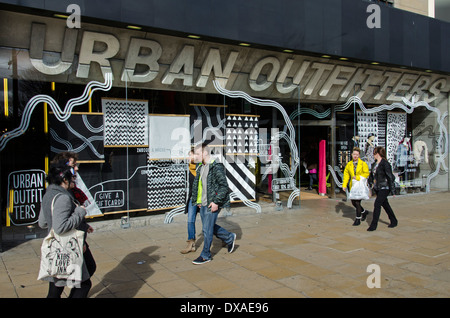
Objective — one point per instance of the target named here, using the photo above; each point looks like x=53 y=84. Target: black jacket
x=217 y=186
x=382 y=178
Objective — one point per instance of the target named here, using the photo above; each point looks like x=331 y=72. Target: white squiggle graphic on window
x=61 y=115
x=289 y=137
x=407 y=106
x=87 y=142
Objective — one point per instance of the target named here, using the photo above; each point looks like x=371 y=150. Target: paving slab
x=311 y=251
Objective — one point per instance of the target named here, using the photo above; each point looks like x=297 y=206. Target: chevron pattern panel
x=126 y=123
x=241 y=134
x=166 y=184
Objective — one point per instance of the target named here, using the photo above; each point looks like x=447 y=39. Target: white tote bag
x=359 y=190
x=62 y=255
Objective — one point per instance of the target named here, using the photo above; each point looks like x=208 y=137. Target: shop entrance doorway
x=310 y=137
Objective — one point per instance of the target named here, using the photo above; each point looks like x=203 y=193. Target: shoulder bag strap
x=53 y=201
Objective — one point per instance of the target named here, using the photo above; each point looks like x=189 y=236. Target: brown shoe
x=189 y=248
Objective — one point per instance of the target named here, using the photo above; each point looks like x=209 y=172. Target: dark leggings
x=82 y=292
x=359 y=208
x=312 y=178
x=382 y=201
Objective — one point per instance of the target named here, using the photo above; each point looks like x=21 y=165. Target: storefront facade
x=129 y=98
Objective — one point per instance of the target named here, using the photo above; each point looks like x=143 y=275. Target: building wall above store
x=416 y=6
x=332 y=27
x=43 y=49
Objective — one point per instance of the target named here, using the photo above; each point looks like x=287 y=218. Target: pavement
x=309 y=251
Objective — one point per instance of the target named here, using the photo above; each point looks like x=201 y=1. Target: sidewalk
x=309 y=252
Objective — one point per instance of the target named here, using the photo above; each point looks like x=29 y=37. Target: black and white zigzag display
x=166 y=184
x=126 y=123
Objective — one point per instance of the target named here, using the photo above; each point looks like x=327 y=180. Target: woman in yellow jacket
x=353 y=171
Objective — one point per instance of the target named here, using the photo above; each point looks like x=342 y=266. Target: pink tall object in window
x=322 y=167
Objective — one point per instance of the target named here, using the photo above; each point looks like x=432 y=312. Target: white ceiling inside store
x=442 y=10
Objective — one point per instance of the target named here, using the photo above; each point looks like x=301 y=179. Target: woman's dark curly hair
x=58 y=172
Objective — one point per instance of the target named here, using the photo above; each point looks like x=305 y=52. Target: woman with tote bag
x=356 y=171
x=61 y=214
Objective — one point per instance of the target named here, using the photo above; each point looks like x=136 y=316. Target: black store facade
x=140 y=82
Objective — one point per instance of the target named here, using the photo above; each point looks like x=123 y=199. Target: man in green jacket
x=211 y=193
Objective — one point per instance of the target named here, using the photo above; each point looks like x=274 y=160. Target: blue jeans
x=210 y=228
x=192 y=215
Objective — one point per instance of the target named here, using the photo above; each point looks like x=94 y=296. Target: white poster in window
x=169 y=136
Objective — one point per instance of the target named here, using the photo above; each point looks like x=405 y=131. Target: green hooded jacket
x=217 y=185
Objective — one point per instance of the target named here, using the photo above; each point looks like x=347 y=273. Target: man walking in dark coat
x=211 y=193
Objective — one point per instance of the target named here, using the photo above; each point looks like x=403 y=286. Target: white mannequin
x=420 y=146
x=406 y=142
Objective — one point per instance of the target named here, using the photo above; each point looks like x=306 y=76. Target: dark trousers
x=83 y=290
x=312 y=178
x=382 y=201
x=358 y=207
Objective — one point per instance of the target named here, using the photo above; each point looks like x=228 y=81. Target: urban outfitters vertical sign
x=25 y=191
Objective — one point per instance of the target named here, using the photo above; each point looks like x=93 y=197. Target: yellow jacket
x=362 y=169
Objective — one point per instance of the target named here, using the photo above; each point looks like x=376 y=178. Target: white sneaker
x=231 y=245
